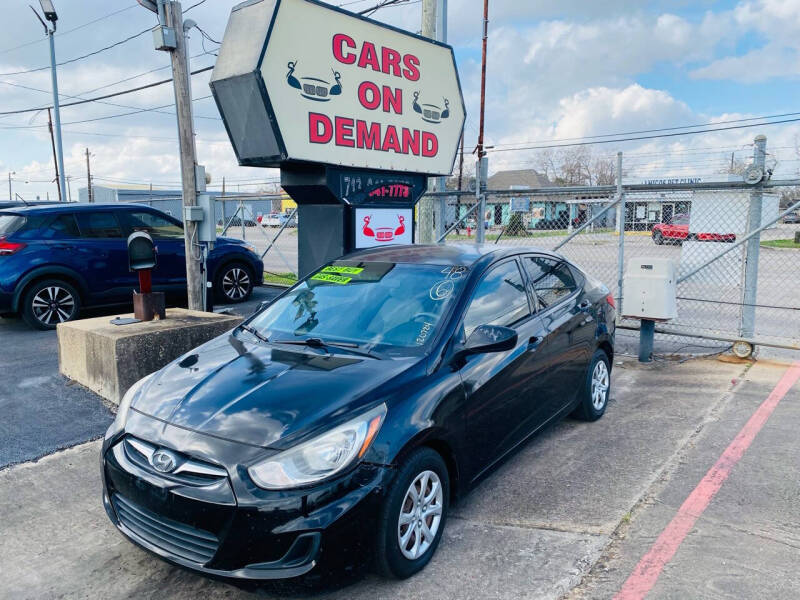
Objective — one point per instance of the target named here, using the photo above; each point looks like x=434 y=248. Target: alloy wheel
x=599 y=385
x=53 y=304
x=420 y=515
x=236 y=283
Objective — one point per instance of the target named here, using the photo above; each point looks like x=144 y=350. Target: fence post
x=621 y=231
x=481 y=170
x=750 y=288
x=241 y=216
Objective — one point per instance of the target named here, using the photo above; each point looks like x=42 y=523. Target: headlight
x=321 y=457
x=250 y=247
x=124 y=405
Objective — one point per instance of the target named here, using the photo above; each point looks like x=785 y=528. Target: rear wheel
x=50 y=302
x=594 y=395
x=233 y=283
x=413 y=516
x=658 y=238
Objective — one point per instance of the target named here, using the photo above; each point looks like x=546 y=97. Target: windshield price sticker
x=340 y=269
x=331 y=278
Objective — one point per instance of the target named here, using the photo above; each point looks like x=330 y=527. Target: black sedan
x=343 y=419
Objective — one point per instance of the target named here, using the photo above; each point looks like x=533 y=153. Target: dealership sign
x=298 y=81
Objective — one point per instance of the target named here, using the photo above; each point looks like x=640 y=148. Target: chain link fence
x=735 y=250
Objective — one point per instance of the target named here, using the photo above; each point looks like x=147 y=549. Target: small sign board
x=383 y=226
x=520 y=205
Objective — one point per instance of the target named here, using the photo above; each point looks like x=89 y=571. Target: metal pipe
x=722 y=338
x=57 y=114
x=277 y=235
x=621 y=229
x=457 y=223
x=793 y=207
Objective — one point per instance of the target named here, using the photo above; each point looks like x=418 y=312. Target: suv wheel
x=234 y=283
x=50 y=302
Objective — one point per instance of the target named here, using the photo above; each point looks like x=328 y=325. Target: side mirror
x=485 y=339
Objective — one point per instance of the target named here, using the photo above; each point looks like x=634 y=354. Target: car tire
x=50 y=302
x=596 y=389
x=393 y=558
x=658 y=238
x=233 y=283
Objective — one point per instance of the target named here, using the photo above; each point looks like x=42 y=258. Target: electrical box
x=164 y=38
x=649 y=289
x=207 y=228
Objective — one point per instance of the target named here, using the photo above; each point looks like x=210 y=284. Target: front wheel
x=594 y=395
x=413 y=515
x=658 y=238
x=233 y=283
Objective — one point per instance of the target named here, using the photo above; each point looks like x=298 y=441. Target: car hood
x=261 y=394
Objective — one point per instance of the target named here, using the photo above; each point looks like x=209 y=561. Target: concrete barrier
x=108 y=358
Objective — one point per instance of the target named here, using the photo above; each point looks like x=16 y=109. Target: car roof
x=61 y=207
x=441 y=254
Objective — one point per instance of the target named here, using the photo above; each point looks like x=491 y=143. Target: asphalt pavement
x=41 y=410
x=571 y=514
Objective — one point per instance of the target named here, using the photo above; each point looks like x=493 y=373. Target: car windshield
x=680 y=220
x=10 y=223
x=389 y=307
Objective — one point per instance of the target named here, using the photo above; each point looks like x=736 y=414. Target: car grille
x=176 y=538
x=309 y=89
x=188 y=471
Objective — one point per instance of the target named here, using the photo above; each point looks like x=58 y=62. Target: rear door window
x=62 y=227
x=552 y=280
x=10 y=223
x=99 y=225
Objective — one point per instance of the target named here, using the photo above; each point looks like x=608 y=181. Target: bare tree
x=576 y=165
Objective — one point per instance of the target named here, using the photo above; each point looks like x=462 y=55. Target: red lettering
x=369 y=57
x=392 y=101
x=368 y=138
x=344 y=132
x=390 y=140
x=430 y=144
x=339 y=41
x=411 y=141
x=370 y=100
x=315 y=134
x=390 y=60
x=411 y=72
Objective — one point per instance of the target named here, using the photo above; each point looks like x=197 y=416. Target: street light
x=50 y=14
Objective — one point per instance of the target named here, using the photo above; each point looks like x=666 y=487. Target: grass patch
x=780 y=244
x=532 y=234
x=280 y=278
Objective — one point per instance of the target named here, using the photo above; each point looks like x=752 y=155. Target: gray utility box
x=650 y=289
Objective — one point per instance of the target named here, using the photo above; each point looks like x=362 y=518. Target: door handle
x=533 y=342
x=585 y=305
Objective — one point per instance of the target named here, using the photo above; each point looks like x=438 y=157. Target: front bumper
x=251 y=535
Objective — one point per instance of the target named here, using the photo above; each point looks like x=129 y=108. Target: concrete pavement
x=571 y=513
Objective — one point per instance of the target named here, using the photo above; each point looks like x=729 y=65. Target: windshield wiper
x=254 y=332
x=315 y=342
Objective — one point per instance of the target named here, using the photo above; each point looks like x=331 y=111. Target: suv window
x=499 y=299
x=63 y=226
x=10 y=223
x=552 y=280
x=99 y=225
x=156 y=225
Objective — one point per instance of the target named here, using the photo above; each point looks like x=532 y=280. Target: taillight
x=7 y=247
x=610 y=300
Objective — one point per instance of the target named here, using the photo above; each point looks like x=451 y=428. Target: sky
x=555 y=71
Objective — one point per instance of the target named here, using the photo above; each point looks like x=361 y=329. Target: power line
x=66 y=31
x=98 y=98
x=72 y=60
x=646 y=137
x=193 y=6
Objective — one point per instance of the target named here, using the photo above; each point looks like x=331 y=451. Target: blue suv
x=56 y=259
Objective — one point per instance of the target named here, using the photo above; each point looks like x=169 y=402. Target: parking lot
x=570 y=515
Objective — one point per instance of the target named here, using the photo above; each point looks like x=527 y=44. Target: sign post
x=356 y=117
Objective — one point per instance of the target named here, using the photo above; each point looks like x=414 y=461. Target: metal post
x=621 y=233
x=480 y=233
x=646 y=335
x=188 y=154
x=10 y=197
x=89 y=180
x=57 y=112
x=425 y=229
x=441 y=182
x=241 y=216
x=750 y=290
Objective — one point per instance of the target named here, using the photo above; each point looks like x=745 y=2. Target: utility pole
x=481 y=169
x=170 y=36
x=10 y=173
x=425 y=210
x=89 y=178
x=50 y=15
x=53 y=143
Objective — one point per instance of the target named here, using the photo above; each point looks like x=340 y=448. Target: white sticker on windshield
x=442 y=290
